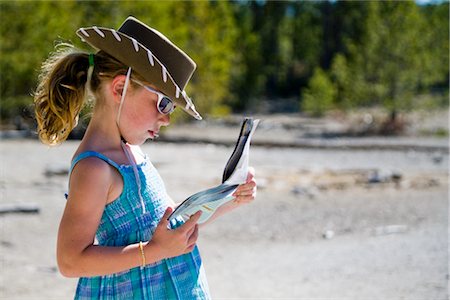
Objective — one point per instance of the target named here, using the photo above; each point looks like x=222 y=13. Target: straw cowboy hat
x=149 y=53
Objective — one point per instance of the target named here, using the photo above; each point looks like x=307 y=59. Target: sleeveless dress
x=122 y=223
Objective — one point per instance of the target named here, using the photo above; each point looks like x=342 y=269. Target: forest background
x=293 y=56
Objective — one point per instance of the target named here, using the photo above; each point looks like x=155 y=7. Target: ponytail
x=60 y=95
x=62 y=92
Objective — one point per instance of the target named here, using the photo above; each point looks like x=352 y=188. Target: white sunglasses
x=164 y=105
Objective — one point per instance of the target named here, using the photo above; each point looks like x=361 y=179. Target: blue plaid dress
x=123 y=223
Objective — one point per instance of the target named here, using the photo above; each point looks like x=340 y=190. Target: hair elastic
x=91 y=59
x=90 y=70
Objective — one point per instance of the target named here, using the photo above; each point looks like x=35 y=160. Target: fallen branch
x=22 y=208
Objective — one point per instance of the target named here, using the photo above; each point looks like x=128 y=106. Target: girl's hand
x=174 y=242
x=246 y=192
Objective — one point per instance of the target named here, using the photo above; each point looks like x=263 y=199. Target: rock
x=382 y=176
x=437 y=157
x=328 y=234
x=47 y=269
x=304 y=191
x=375 y=177
x=262 y=183
x=297 y=190
x=390 y=229
x=56 y=170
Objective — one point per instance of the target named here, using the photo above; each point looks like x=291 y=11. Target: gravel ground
x=327 y=224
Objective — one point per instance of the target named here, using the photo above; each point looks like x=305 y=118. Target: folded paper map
x=234 y=174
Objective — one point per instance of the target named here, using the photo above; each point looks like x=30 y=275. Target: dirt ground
x=326 y=224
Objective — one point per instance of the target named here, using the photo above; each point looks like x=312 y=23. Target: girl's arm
x=77 y=256
x=244 y=194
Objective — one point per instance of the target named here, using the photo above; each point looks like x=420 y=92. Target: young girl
x=114 y=232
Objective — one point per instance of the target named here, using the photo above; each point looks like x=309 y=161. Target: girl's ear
x=117 y=85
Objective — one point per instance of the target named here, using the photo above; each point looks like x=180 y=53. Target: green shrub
x=319 y=95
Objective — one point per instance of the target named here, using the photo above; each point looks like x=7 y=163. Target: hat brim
x=135 y=55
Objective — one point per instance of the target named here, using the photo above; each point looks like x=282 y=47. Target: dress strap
x=87 y=154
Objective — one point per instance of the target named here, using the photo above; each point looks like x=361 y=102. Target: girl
x=114 y=231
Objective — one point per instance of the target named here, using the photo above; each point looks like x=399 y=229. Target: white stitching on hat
x=187 y=99
x=118 y=38
x=99 y=32
x=150 y=58
x=164 y=73
x=84 y=32
x=135 y=44
x=197 y=115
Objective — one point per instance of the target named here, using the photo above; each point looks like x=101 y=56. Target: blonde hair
x=61 y=92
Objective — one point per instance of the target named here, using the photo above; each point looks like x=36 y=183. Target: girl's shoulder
x=92 y=165
x=96 y=174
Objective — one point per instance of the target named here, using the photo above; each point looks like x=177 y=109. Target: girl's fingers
x=244 y=188
x=193 y=236
x=245 y=196
x=189 y=233
x=251 y=174
x=248 y=192
x=244 y=199
x=190 y=223
x=164 y=220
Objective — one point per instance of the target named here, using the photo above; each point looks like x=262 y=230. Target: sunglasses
x=164 y=105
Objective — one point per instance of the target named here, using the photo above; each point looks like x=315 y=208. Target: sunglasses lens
x=165 y=106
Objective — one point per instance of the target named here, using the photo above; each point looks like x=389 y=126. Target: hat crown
x=178 y=64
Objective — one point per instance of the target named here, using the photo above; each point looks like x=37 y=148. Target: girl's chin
x=137 y=141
